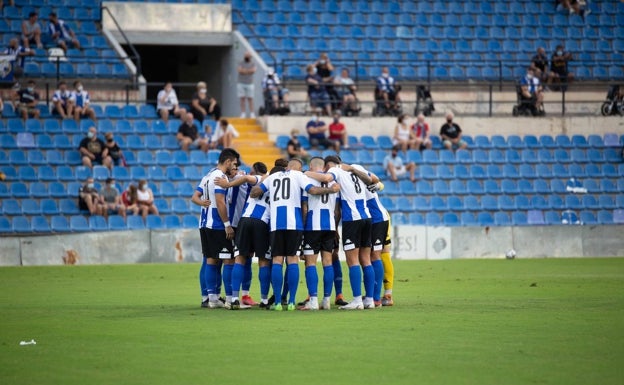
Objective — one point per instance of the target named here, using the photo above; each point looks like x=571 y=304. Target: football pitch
x=547 y=321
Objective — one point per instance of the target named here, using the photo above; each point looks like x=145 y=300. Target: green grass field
x=552 y=321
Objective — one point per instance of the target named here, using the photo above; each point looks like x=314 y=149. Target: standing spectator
x=451 y=134
x=82 y=103
x=346 y=88
x=394 y=166
x=224 y=135
x=188 y=135
x=31 y=31
x=20 y=53
x=89 y=199
x=113 y=150
x=245 y=86
x=272 y=89
x=168 y=103
x=325 y=69
x=316 y=133
x=319 y=98
x=204 y=106
x=559 y=67
x=294 y=148
x=145 y=199
x=389 y=91
x=25 y=101
x=539 y=64
x=338 y=132
x=61 y=34
x=94 y=150
x=420 y=130
x=403 y=135
x=130 y=199
x=531 y=92
x=62 y=101
x=111 y=199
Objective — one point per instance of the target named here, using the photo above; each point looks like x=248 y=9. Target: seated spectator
x=113 y=150
x=420 y=131
x=338 y=132
x=168 y=103
x=61 y=34
x=272 y=88
x=204 y=106
x=539 y=64
x=31 y=31
x=111 y=199
x=319 y=98
x=325 y=69
x=89 y=199
x=575 y=6
x=20 y=53
x=389 y=90
x=559 y=72
x=94 y=150
x=294 y=148
x=63 y=102
x=531 y=92
x=25 y=101
x=395 y=168
x=451 y=133
x=145 y=200
x=403 y=136
x=188 y=135
x=346 y=88
x=82 y=103
x=224 y=135
x=316 y=133
x=1 y=106
x=130 y=200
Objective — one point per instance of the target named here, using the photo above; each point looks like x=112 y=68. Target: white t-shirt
x=219 y=132
x=169 y=102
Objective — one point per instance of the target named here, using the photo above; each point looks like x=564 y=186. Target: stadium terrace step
x=253 y=143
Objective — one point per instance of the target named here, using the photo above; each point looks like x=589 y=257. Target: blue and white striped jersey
x=377 y=210
x=285 y=196
x=210 y=215
x=236 y=199
x=258 y=208
x=320 y=215
x=352 y=194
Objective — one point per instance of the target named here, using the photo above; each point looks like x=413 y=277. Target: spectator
x=31 y=31
x=20 y=53
x=25 y=101
x=82 y=103
x=420 y=131
x=111 y=199
x=559 y=67
x=294 y=148
x=130 y=199
x=245 y=86
x=1 y=106
x=272 y=89
x=539 y=64
x=89 y=199
x=224 y=135
x=204 y=106
x=338 y=132
x=403 y=136
x=94 y=150
x=145 y=200
x=61 y=34
x=325 y=69
x=319 y=98
x=167 y=103
x=394 y=166
x=316 y=132
x=113 y=150
x=451 y=133
x=346 y=88
x=575 y=6
x=62 y=101
x=188 y=135
x=389 y=91
x=531 y=92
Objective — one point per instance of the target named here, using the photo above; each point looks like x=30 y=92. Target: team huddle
x=286 y=215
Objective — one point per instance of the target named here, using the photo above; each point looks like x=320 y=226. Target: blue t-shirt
x=315 y=123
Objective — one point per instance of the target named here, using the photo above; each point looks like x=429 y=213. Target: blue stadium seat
x=506 y=202
x=518 y=218
x=135 y=222
x=21 y=224
x=27 y=174
x=69 y=206
x=57 y=190
x=555 y=202
x=154 y=222
x=11 y=207
x=489 y=202
x=190 y=221
x=500 y=219
x=78 y=223
x=19 y=190
x=468 y=219
x=116 y=222
x=174 y=173
x=59 y=224
x=525 y=186
x=31 y=207
x=420 y=204
x=172 y=222
x=478 y=172
x=491 y=187
x=438 y=204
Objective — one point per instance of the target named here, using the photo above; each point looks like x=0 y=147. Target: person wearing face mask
x=245 y=86
x=539 y=64
x=111 y=199
x=387 y=90
x=420 y=130
x=94 y=151
x=325 y=69
x=168 y=103
x=319 y=98
x=531 y=94
x=20 y=53
x=559 y=72
x=395 y=168
x=62 y=101
x=31 y=31
x=338 y=132
x=25 y=101
x=204 y=106
x=275 y=94
x=294 y=148
x=89 y=199
x=451 y=133
x=113 y=150
x=316 y=134
x=145 y=200
x=82 y=103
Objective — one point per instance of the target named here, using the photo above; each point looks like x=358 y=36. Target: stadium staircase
x=254 y=144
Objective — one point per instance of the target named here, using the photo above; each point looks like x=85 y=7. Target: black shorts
x=379 y=235
x=326 y=143
x=215 y=244
x=252 y=237
x=315 y=241
x=285 y=243
x=356 y=234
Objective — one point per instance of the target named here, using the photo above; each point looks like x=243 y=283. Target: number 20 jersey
x=285 y=196
x=352 y=194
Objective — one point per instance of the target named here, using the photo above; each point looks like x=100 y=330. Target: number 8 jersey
x=352 y=194
x=284 y=190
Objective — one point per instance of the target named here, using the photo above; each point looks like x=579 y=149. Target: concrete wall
x=408 y=242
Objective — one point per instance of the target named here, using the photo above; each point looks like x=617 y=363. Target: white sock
x=234 y=298
x=388 y=292
x=204 y=298
x=244 y=292
x=228 y=298
x=213 y=297
x=264 y=301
